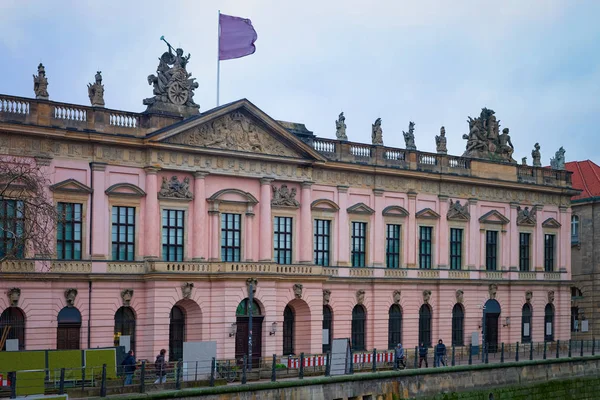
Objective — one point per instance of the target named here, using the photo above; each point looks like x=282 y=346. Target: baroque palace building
x=168 y=217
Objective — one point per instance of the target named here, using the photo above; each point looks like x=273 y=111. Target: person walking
x=129 y=367
x=160 y=366
x=440 y=354
x=423 y=355
x=399 y=357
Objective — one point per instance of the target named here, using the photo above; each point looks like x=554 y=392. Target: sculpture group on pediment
x=558 y=161
x=284 y=197
x=536 y=155
x=440 y=142
x=96 y=91
x=409 y=137
x=175 y=189
x=40 y=84
x=485 y=141
x=458 y=211
x=340 y=127
x=525 y=216
x=377 y=133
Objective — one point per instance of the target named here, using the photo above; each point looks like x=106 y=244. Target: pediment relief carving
x=395 y=211
x=551 y=223
x=494 y=217
x=427 y=213
x=125 y=189
x=71 y=186
x=360 y=208
x=234 y=131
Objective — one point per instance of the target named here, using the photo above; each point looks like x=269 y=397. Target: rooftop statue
x=558 y=161
x=409 y=137
x=40 y=84
x=96 y=91
x=537 y=157
x=377 y=133
x=340 y=127
x=440 y=142
x=173 y=86
x=485 y=141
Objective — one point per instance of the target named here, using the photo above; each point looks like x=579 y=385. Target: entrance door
x=491 y=332
x=67 y=337
x=241 y=339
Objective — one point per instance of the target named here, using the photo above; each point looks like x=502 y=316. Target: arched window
x=458 y=325
x=125 y=326
x=15 y=318
x=526 y=323
x=288 y=331
x=394 y=326
x=176 y=333
x=327 y=328
x=425 y=325
x=549 y=323
x=69 y=329
x=574 y=229
x=358 y=328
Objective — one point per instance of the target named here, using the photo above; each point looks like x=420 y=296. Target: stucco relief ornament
x=458 y=211
x=551 y=296
x=284 y=197
x=186 y=290
x=528 y=296
x=558 y=161
x=409 y=137
x=459 y=296
x=40 y=84
x=360 y=296
x=485 y=141
x=340 y=127
x=173 y=86
x=254 y=283
x=536 y=155
x=326 y=296
x=426 y=296
x=526 y=216
x=96 y=91
x=298 y=290
x=70 y=295
x=492 y=290
x=377 y=133
x=440 y=142
x=175 y=189
x=126 y=295
x=14 y=295
x=397 y=294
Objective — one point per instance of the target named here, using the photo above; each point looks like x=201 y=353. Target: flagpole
x=218 y=54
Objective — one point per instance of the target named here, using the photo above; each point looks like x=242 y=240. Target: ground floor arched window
x=425 y=325
x=288 y=331
x=358 y=328
x=526 y=323
x=327 y=328
x=69 y=329
x=394 y=326
x=14 y=318
x=549 y=323
x=125 y=326
x=458 y=325
x=176 y=333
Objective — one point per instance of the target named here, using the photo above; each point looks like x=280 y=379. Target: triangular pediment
x=494 y=217
x=236 y=127
x=395 y=211
x=551 y=223
x=71 y=186
x=360 y=208
x=427 y=213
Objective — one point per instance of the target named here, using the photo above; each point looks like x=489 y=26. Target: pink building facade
x=170 y=219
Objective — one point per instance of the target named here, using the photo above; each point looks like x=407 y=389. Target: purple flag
x=237 y=37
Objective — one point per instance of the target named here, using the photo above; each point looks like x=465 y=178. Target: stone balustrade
x=493 y=275
x=126 y=267
x=527 y=276
x=71 y=267
x=453 y=274
x=17 y=266
x=395 y=273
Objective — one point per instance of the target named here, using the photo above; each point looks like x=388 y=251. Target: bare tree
x=27 y=213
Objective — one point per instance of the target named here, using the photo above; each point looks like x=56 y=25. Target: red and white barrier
x=4 y=382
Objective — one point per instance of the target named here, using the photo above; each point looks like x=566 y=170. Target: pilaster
x=266 y=229
x=199 y=229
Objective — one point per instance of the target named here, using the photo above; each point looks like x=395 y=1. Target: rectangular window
x=359 y=241
x=456 y=236
x=172 y=235
x=549 y=253
x=321 y=240
x=282 y=240
x=392 y=250
x=68 y=231
x=123 y=233
x=524 y=251
x=491 y=250
x=425 y=247
x=231 y=245
x=12 y=220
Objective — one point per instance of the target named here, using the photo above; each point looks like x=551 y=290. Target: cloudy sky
x=535 y=62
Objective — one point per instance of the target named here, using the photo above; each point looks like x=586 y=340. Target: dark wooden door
x=241 y=339
x=67 y=337
x=491 y=332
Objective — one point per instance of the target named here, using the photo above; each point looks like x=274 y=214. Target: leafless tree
x=27 y=212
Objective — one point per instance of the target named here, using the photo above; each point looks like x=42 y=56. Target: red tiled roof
x=586 y=177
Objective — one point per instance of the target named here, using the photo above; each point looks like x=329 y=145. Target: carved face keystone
x=298 y=290
x=186 y=290
x=126 y=295
x=397 y=294
x=426 y=296
x=326 y=296
x=360 y=296
x=14 y=295
x=459 y=296
x=70 y=295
